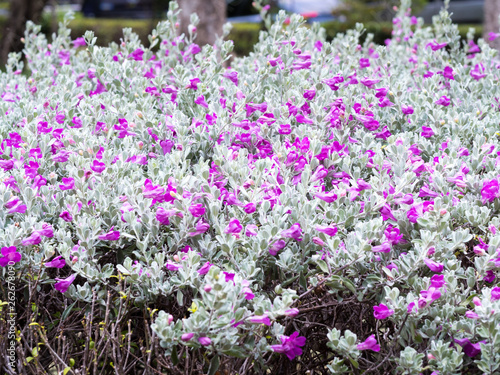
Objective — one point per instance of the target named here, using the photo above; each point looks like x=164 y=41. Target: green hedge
x=244 y=35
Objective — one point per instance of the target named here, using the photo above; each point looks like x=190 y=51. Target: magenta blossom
x=329 y=230
x=187 y=336
x=112 y=235
x=66 y=216
x=63 y=284
x=393 y=235
x=434 y=266
x=490 y=191
x=197 y=210
x=383 y=248
x=97 y=166
x=10 y=254
x=277 y=246
x=251 y=230
x=57 y=262
x=172 y=266
x=249 y=208
x=260 y=319
x=294 y=232
x=418 y=210
x=201 y=227
x=205 y=268
x=427 y=132
x=382 y=311
x=369 y=344
x=67 y=183
x=290 y=345
x=34 y=239
x=444 y=101
x=205 y=341
x=437 y=281
x=471 y=350
x=234 y=227
x=471 y=315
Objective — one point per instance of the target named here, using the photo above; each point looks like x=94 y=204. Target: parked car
x=462 y=11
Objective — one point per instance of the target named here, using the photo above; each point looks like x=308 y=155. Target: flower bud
x=207 y=288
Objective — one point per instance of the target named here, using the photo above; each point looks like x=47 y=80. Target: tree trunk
x=20 y=12
x=212 y=14
x=491 y=13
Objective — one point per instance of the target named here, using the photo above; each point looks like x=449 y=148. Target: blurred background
x=107 y=18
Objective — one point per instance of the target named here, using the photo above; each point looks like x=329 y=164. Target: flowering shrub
x=326 y=207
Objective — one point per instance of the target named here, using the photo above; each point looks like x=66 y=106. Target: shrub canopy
x=316 y=206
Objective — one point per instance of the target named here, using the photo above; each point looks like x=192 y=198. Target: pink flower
x=384 y=248
x=490 y=191
x=233 y=227
x=290 y=345
x=137 y=55
x=112 y=235
x=427 y=132
x=97 y=166
x=387 y=213
x=418 y=210
x=277 y=246
x=232 y=75
x=197 y=210
x=471 y=315
x=393 y=235
x=369 y=344
x=433 y=266
x=67 y=183
x=66 y=216
x=470 y=350
x=205 y=268
x=201 y=227
x=495 y=293
x=294 y=232
x=478 y=72
x=327 y=197
x=437 y=281
x=187 y=336
x=318 y=241
x=205 y=341
x=364 y=63
x=260 y=319
x=251 y=230
x=407 y=110
x=382 y=311
x=200 y=100
x=34 y=239
x=444 y=101
x=171 y=266
x=285 y=129
x=249 y=208
x=63 y=284
x=329 y=230
x=57 y=262
x=10 y=254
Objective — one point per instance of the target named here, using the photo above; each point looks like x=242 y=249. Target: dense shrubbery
x=326 y=207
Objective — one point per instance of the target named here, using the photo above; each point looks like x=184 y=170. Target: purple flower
x=172 y=266
x=137 y=55
x=205 y=341
x=437 y=281
x=490 y=191
x=444 y=101
x=249 y=208
x=229 y=276
x=434 y=266
x=285 y=129
x=327 y=197
x=330 y=230
x=470 y=350
x=205 y=268
x=57 y=262
x=14 y=205
x=201 y=227
x=369 y=344
x=251 y=230
x=294 y=232
x=478 y=72
x=234 y=227
x=232 y=75
x=200 y=100
x=260 y=319
x=63 y=284
x=68 y=183
x=290 y=345
x=364 y=63
x=10 y=254
x=66 y=216
x=97 y=166
x=277 y=246
x=112 y=235
x=495 y=293
x=392 y=235
x=383 y=248
x=418 y=210
x=291 y=312
x=187 y=336
x=386 y=213
x=34 y=239
x=197 y=210
x=79 y=42
x=427 y=132
x=382 y=311
x=309 y=94
x=471 y=315
x=407 y=110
